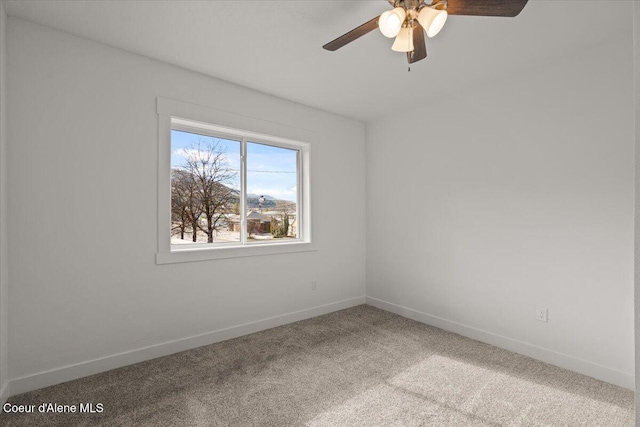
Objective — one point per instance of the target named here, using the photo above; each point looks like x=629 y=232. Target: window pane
x=205 y=189
x=272 y=192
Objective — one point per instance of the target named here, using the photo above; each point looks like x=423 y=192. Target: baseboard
x=581 y=366
x=4 y=392
x=72 y=372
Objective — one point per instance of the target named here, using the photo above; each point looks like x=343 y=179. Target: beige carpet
x=356 y=367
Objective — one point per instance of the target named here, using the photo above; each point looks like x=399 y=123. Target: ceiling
x=276 y=46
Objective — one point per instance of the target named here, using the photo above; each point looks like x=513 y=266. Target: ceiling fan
x=410 y=19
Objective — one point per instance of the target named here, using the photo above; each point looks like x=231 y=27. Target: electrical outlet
x=314 y=284
x=542 y=314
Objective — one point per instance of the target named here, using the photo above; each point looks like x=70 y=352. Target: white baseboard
x=581 y=366
x=72 y=372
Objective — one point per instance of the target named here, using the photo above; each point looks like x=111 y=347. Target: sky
x=271 y=171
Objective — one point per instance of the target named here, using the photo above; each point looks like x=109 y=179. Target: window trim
x=192 y=118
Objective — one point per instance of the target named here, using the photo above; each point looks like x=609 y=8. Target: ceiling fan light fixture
x=409 y=18
x=390 y=22
x=404 y=40
x=432 y=20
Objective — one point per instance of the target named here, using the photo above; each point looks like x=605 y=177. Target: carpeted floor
x=356 y=367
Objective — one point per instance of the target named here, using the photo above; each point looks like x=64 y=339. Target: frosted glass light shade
x=404 y=40
x=432 y=20
x=390 y=22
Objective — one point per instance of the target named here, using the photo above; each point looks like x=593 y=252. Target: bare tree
x=253 y=227
x=185 y=204
x=286 y=208
x=207 y=165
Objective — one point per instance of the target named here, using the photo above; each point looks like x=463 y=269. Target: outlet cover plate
x=542 y=314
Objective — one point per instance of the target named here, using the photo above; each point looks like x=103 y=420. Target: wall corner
x=4 y=291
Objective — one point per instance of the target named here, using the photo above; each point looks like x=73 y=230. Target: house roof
x=257 y=215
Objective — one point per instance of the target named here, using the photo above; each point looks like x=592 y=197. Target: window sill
x=208 y=253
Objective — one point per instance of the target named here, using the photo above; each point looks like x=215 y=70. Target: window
x=205 y=188
x=230 y=192
x=271 y=201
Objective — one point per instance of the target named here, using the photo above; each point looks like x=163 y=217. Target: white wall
x=3 y=212
x=517 y=193
x=82 y=201
x=636 y=74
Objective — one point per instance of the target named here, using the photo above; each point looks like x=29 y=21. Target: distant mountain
x=257 y=196
x=270 y=202
x=253 y=200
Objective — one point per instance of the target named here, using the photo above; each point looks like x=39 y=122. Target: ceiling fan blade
x=419 y=48
x=508 y=8
x=352 y=35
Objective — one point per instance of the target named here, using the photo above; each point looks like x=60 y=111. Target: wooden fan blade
x=419 y=51
x=352 y=35
x=508 y=8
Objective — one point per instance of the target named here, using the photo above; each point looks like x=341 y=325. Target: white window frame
x=191 y=118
